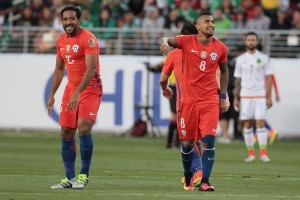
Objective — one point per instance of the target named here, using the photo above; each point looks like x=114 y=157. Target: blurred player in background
x=226 y=117
x=78 y=51
x=172 y=137
x=273 y=133
x=200 y=101
x=253 y=74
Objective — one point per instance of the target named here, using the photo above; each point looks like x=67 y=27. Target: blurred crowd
x=154 y=14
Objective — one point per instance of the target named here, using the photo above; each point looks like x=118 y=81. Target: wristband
x=223 y=96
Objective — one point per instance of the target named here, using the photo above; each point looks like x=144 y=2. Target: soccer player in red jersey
x=174 y=63
x=200 y=101
x=78 y=52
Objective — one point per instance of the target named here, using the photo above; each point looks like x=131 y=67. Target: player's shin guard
x=208 y=157
x=262 y=138
x=86 y=151
x=68 y=152
x=249 y=141
x=187 y=158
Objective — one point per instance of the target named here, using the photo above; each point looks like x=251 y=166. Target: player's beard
x=251 y=47
x=68 y=27
x=210 y=32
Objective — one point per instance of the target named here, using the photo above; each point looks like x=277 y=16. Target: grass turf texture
x=141 y=168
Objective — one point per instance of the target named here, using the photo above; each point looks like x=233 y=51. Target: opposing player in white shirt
x=253 y=73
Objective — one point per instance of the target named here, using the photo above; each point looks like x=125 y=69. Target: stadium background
x=126 y=167
x=127 y=32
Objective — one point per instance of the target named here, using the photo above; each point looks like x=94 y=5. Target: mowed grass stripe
x=141 y=168
x=200 y=194
x=156 y=177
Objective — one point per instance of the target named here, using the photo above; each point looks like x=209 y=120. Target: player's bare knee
x=84 y=129
x=248 y=124
x=84 y=126
x=188 y=143
x=260 y=123
x=67 y=133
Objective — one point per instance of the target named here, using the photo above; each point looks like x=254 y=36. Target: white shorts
x=253 y=108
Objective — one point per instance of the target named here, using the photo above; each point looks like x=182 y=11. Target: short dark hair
x=72 y=8
x=204 y=12
x=251 y=33
x=189 y=28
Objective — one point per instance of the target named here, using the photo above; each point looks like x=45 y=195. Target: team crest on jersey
x=213 y=56
x=258 y=61
x=75 y=48
x=68 y=47
x=203 y=54
x=91 y=42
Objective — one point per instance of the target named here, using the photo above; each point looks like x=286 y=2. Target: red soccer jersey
x=174 y=62
x=199 y=65
x=73 y=50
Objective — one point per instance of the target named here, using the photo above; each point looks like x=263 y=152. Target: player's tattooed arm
x=223 y=84
x=171 y=41
x=224 y=77
x=166 y=42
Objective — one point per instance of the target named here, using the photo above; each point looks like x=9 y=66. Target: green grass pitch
x=141 y=168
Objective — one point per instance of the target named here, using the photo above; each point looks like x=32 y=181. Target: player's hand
x=72 y=105
x=164 y=48
x=168 y=93
x=227 y=103
x=50 y=104
x=236 y=104
x=269 y=103
x=223 y=105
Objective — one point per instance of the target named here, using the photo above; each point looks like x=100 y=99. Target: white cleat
x=250 y=159
x=265 y=158
x=81 y=181
x=64 y=183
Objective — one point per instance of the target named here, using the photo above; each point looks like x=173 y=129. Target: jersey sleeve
x=238 y=69
x=90 y=45
x=169 y=64
x=182 y=39
x=223 y=57
x=268 y=67
x=58 y=55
